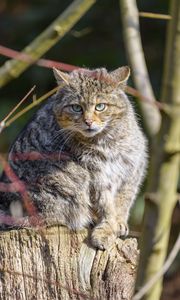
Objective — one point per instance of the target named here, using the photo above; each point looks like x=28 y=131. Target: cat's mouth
x=90 y=132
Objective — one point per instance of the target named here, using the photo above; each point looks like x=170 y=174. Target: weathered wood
x=57 y=263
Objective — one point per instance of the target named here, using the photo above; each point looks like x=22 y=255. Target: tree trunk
x=135 y=53
x=56 y=263
x=164 y=168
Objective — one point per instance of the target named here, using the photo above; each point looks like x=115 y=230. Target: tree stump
x=56 y=263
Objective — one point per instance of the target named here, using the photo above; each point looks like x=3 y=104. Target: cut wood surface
x=56 y=263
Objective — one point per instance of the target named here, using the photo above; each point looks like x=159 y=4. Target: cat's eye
x=100 y=107
x=76 y=108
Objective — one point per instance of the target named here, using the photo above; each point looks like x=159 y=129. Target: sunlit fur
x=106 y=156
x=88 y=95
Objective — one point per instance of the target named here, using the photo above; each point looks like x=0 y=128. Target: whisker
x=66 y=140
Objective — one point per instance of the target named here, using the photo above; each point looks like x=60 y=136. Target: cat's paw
x=123 y=229
x=103 y=237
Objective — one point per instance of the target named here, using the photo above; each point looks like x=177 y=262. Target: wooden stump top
x=56 y=263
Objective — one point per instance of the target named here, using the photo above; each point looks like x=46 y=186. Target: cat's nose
x=88 y=122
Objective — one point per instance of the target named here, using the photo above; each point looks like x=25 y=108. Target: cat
x=100 y=156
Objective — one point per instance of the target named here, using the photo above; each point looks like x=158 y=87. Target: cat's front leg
x=124 y=201
x=104 y=233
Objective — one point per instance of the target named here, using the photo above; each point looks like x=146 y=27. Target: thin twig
x=2 y=125
x=154 y=16
x=9 y=187
x=81 y=33
x=31 y=209
x=134 y=92
x=30 y=106
x=41 y=62
x=3 y=122
x=30 y=156
x=46 y=63
x=161 y=272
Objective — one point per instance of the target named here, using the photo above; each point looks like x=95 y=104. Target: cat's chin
x=90 y=132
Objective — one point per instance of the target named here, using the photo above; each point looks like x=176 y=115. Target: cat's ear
x=121 y=75
x=61 y=76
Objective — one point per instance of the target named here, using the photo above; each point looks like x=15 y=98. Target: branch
x=30 y=106
x=161 y=272
x=46 y=63
x=161 y=106
x=132 y=40
x=164 y=168
x=47 y=39
x=3 y=122
x=154 y=16
x=19 y=185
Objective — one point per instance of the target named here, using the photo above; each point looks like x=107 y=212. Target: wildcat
x=92 y=122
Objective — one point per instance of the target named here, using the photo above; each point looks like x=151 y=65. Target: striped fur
x=98 y=179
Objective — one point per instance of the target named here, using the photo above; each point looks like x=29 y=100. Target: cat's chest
x=109 y=174
x=107 y=167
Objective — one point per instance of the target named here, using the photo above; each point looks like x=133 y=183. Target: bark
x=132 y=40
x=56 y=263
x=48 y=38
x=165 y=166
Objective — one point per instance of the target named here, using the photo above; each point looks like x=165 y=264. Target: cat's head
x=91 y=100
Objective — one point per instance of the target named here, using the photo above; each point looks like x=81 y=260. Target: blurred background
x=96 y=40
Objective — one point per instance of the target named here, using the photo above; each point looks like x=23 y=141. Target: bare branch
x=133 y=92
x=161 y=272
x=30 y=106
x=165 y=166
x=154 y=16
x=46 y=63
x=48 y=38
x=20 y=186
x=3 y=122
x=132 y=39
